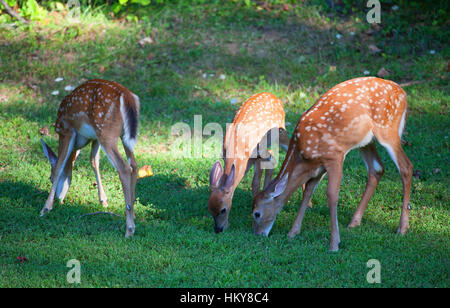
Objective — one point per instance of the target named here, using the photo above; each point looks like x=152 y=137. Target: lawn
x=201 y=59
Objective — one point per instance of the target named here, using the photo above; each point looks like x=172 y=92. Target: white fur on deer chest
x=87 y=131
x=84 y=135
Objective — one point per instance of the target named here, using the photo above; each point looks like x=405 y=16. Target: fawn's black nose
x=218 y=229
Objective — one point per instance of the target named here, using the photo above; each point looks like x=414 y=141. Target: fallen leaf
x=22 y=259
x=145 y=171
x=145 y=41
x=32 y=86
x=286 y=7
x=383 y=72
x=101 y=69
x=45 y=21
x=55 y=14
x=44 y=131
x=374 y=49
x=266 y=6
x=370 y=31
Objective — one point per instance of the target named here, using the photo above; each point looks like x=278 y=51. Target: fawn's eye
x=257 y=215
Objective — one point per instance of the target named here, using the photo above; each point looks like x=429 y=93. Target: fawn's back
x=349 y=115
x=96 y=108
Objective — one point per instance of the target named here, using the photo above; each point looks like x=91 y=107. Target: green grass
x=293 y=54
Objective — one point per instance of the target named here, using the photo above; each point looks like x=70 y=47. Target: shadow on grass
x=21 y=214
x=163 y=198
x=178 y=200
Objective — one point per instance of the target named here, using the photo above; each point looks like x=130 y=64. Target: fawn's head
x=219 y=203
x=66 y=174
x=267 y=204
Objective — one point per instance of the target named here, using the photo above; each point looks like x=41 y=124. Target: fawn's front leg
x=334 y=170
x=308 y=190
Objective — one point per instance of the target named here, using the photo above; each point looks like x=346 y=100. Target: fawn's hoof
x=44 y=211
x=353 y=224
x=333 y=250
x=334 y=247
x=130 y=231
x=402 y=230
x=292 y=234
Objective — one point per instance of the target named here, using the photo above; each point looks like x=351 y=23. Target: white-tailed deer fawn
x=244 y=146
x=346 y=117
x=101 y=112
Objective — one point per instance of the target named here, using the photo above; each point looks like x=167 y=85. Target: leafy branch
x=13 y=13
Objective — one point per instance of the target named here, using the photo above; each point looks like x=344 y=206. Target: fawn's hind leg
x=125 y=174
x=405 y=169
x=95 y=163
x=375 y=170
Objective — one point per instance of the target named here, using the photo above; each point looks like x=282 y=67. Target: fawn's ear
x=229 y=179
x=279 y=186
x=215 y=174
x=51 y=156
